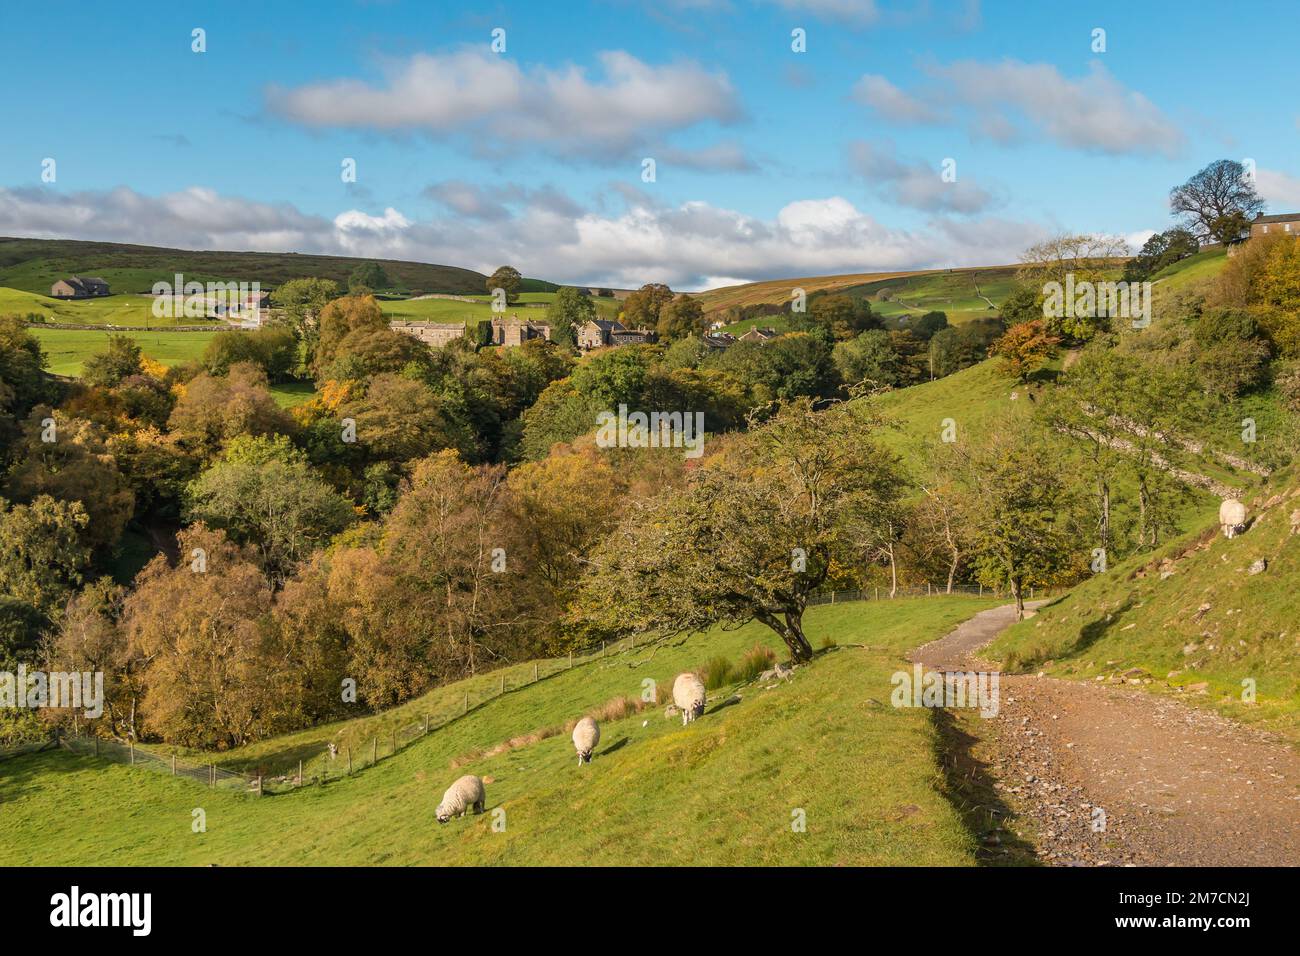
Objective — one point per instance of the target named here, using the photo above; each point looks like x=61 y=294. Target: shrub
x=717 y=673
x=756 y=660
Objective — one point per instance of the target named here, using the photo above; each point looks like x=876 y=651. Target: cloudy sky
x=903 y=133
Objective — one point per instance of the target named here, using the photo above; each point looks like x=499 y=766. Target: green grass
x=67 y=349
x=135 y=311
x=289 y=394
x=721 y=791
x=1132 y=617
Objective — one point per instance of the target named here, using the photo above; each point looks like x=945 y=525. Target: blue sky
x=769 y=162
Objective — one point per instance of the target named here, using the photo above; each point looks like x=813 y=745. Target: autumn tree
x=507 y=279
x=570 y=309
x=42 y=551
x=751 y=536
x=262 y=492
x=211 y=680
x=641 y=308
x=1025 y=348
x=680 y=317
x=214 y=409
x=1018 y=510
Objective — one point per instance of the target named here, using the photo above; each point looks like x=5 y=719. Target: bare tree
x=1218 y=202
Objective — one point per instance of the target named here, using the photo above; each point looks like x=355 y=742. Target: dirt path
x=1176 y=785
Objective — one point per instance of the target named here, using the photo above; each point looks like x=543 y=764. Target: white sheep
x=585 y=737
x=465 y=793
x=1232 y=517
x=689 y=696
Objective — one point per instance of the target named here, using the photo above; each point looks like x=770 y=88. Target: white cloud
x=915 y=184
x=496 y=105
x=1280 y=190
x=892 y=103
x=688 y=245
x=1011 y=100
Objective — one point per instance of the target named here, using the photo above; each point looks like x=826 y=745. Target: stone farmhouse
x=1287 y=223
x=600 y=333
x=506 y=333
x=435 y=334
x=79 y=287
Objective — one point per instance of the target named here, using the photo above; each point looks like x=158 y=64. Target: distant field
x=952 y=290
x=128 y=310
x=289 y=394
x=964 y=294
x=34 y=264
x=68 y=348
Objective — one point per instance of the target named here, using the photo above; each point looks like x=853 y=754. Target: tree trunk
x=800 y=650
x=893 y=572
x=952 y=569
x=1018 y=594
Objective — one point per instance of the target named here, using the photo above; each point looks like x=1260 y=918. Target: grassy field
x=1209 y=621
x=722 y=791
x=964 y=294
x=955 y=291
x=135 y=311
x=67 y=349
x=777 y=291
x=34 y=265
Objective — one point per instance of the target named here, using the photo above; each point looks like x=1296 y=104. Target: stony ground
x=1099 y=774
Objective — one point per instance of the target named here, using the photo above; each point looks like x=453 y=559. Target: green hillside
x=964 y=294
x=123 y=310
x=722 y=791
x=1191 y=617
x=33 y=265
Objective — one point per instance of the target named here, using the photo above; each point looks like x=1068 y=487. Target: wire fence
x=333 y=762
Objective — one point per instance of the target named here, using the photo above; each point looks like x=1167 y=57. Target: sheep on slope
x=1232 y=517
x=689 y=696
x=465 y=793
x=585 y=737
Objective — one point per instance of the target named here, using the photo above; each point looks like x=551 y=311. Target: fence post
x=426 y=725
x=602 y=648
x=394 y=741
x=259 y=784
x=981 y=589
x=875 y=594
x=212 y=776
x=374 y=751
x=300 y=773
x=467 y=702
x=173 y=765
x=534 y=670
x=503 y=684
x=132 y=743
x=349 y=752
x=927 y=588
x=570 y=657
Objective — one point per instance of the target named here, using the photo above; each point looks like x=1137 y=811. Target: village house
x=515 y=331
x=1287 y=224
x=436 y=334
x=718 y=341
x=599 y=333
x=79 y=287
x=757 y=335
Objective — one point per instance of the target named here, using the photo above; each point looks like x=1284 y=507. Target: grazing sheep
x=1232 y=517
x=465 y=793
x=688 y=695
x=585 y=737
